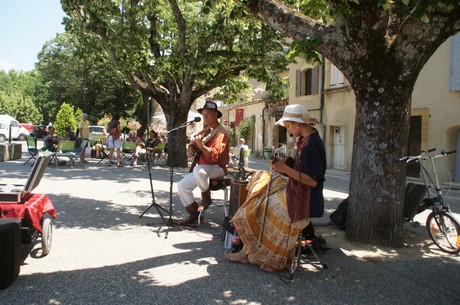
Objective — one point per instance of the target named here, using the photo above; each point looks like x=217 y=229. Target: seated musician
x=211 y=150
x=269 y=227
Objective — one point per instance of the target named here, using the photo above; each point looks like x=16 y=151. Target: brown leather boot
x=205 y=200
x=193 y=214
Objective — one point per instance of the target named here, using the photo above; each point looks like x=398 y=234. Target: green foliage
x=246 y=128
x=20 y=107
x=20 y=96
x=78 y=115
x=64 y=117
x=104 y=121
x=318 y=9
x=305 y=50
x=6 y=104
x=84 y=77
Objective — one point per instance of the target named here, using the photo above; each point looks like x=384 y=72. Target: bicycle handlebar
x=444 y=152
x=419 y=157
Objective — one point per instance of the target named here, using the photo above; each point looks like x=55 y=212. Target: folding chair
x=31 y=148
x=77 y=150
x=160 y=149
x=301 y=245
x=65 y=149
x=158 y=156
x=247 y=153
x=103 y=153
x=127 y=151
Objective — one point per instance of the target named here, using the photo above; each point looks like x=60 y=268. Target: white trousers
x=200 y=177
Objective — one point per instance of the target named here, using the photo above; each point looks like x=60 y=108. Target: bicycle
x=443 y=228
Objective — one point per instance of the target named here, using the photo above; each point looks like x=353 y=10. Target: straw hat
x=295 y=113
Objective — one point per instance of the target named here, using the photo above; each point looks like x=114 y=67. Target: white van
x=17 y=131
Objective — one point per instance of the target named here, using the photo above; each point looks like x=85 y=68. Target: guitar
x=208 y=134
x=196 y=157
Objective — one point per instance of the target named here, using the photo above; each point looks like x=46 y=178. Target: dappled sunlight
x=331 y=195
x=178 y=273
x=416 y=245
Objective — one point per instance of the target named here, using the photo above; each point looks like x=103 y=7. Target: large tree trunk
x=377 y=178
x=176 y=114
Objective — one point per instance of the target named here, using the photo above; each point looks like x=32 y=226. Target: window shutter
x=315 y=80
x=337 y=78
x=455 y=64
x=298 y=82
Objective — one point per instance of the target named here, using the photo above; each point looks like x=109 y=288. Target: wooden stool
x=219 y=184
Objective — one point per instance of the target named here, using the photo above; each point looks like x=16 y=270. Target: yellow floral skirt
x=263 y=223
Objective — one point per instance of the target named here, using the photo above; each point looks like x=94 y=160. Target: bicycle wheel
x=444 y=230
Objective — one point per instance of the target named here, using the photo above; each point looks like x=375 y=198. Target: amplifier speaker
x=10 y=250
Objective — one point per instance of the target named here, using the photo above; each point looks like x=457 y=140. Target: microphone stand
x=170 y=221
x=154 y=204
x=172 y=132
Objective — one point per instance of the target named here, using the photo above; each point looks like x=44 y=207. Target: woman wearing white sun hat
x=291 y=201
x=309 y=164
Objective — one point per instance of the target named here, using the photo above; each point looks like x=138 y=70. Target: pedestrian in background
x=83 y=133
x=114 y=139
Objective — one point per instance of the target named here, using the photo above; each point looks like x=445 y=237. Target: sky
x=25 y=26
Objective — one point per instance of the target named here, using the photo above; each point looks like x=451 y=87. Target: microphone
x=196 y=119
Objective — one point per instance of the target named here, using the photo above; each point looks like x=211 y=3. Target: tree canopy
x=84 y=78
x=380 y=46
x=20 y=93
x=176 y=51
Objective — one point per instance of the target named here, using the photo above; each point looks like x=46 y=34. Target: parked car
x=96 y=130
x=96 y=134
x=10 y=125
x=28 y=126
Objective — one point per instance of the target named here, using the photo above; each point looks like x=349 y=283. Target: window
x=307 y=81
x=337 y=78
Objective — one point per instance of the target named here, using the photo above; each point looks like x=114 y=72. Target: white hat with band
x=295 y=113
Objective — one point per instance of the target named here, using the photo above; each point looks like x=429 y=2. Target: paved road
x=104 y=253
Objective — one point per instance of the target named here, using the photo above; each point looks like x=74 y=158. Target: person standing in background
x=83 y=133
x=114 y=139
